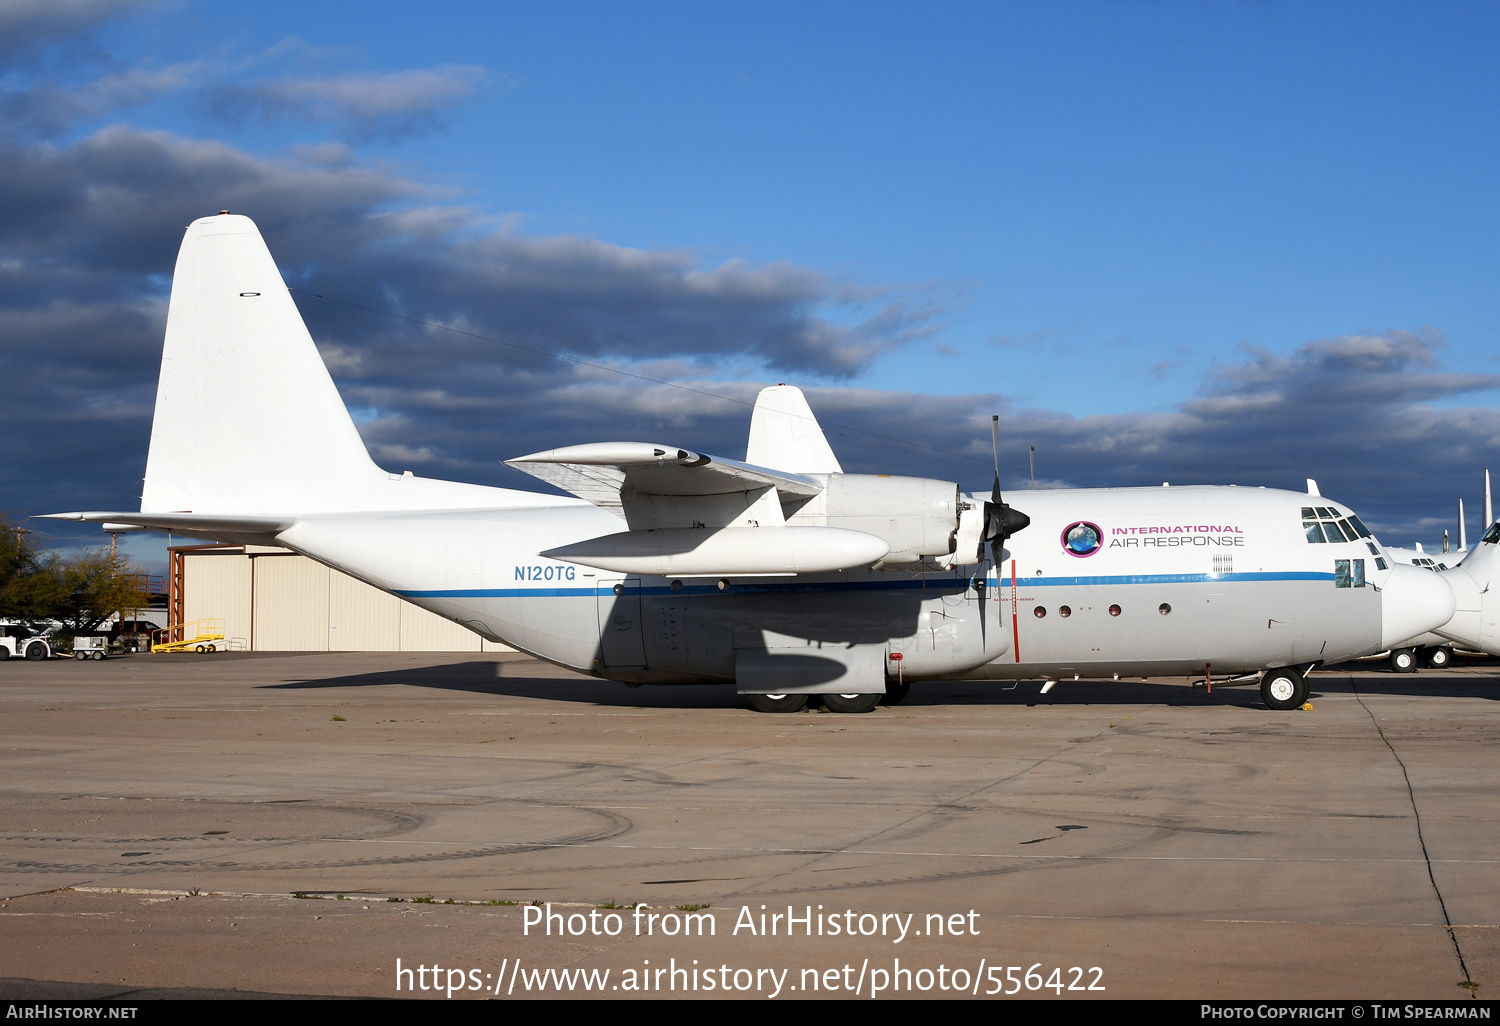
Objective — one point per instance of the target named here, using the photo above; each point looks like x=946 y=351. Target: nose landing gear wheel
x=1404 y=660
x=1283 y=689
x=778 y=703
x=851 y=703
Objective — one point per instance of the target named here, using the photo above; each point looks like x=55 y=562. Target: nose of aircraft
x=1414 y=602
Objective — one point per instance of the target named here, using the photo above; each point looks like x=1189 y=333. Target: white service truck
x=20 y=642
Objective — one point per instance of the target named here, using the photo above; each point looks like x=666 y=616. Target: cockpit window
x=1334 y=527
x=1493 y=534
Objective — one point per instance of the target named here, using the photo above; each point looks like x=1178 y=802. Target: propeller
x=1000 y=520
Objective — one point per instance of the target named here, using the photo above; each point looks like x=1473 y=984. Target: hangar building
x=274 y=600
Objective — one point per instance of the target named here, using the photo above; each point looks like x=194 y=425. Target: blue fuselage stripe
x=918 y=583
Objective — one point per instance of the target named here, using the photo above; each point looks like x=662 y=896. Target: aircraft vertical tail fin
x=784 y=434
x=247 y=416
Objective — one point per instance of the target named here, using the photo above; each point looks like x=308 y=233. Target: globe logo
x=1082 y=538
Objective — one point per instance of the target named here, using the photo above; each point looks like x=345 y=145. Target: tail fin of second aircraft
x=784 y=434
x=247 y=417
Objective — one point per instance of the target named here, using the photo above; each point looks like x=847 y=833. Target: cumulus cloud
x=27 y=25
x=89 y=233
x=393 y=105
x=50 y=109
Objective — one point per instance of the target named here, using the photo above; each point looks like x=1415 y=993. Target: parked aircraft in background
x=1432 y=649
x=779 y=573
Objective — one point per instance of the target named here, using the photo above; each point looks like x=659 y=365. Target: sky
x=1201 y=242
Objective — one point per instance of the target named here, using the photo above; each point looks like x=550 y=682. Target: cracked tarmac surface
x=158 y=813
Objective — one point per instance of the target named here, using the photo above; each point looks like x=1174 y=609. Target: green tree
x=31 y=582
x=95 y=586
x=82 y=592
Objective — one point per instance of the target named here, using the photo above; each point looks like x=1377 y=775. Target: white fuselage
x=1243 y=588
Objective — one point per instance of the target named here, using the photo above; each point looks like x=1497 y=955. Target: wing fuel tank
x=732 y=550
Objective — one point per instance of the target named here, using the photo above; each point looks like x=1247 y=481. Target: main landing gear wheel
x=1404 y=660
x=1439 y=658
x=1283 y=689
x=895 y=693
x=851 y=703
x=778 y=703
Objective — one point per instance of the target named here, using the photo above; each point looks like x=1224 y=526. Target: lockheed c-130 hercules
x=780 y=572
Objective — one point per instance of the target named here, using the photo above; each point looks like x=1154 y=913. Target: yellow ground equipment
x=194 y=636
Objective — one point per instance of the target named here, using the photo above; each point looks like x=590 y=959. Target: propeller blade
x=1000 y=520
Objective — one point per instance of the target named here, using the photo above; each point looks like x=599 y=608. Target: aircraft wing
x=600 y=471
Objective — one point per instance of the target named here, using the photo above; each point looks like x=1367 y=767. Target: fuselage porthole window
x=1359 y=573
x=1039 y=612
x=1064 y=611
x=1373 y=550
x=1341 y=573
x=1164 y=608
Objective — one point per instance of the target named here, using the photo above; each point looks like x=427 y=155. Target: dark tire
x=895 y=693
x=778 y=703
x=35 y=651
x=1404 y=660
x=80 y=655
x=98 y=656
x=1438 y=658
x=1283 y=689
x=851 y=703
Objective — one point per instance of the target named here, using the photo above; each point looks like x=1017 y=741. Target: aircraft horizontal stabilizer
x=196 y=523
x=603 y=472
x=732 y=550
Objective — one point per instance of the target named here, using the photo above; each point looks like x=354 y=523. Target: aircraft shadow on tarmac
x=493 y=677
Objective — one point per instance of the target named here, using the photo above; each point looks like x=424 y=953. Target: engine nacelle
x=916 y=516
